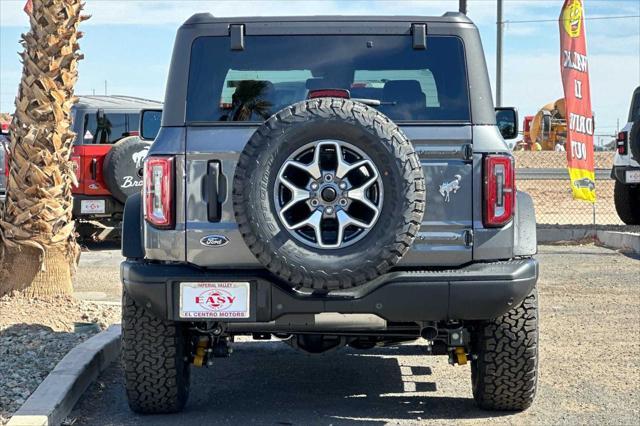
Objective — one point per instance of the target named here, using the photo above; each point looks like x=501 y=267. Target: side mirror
x=507 y=121
x=150 y=123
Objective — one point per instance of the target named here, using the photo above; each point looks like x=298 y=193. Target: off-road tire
x=627 y=201
x=153 y=359
x=504 y=375
x=634 y=140
x=387 y=241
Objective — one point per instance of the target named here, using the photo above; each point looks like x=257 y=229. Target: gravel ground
x=35 y=334
x=589 y=369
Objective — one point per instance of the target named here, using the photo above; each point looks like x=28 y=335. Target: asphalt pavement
x=589 y=370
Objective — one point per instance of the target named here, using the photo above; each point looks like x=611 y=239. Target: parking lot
x=589 y=370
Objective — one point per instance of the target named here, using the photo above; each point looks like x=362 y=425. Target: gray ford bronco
x=329 y=182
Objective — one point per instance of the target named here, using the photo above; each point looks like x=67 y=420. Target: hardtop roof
x=207 y=18
x=115 y=102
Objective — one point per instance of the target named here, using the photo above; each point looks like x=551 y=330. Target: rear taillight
x=77 y=167
x=499 y=190
x=621 y=143
x=329 y=93
x=158 y=192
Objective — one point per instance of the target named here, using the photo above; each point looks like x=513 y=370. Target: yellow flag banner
x=577 y=94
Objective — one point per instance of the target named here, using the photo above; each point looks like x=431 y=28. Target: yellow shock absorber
x=461 y=356
x=201 y=351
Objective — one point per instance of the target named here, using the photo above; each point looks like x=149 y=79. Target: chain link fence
x=543 y=174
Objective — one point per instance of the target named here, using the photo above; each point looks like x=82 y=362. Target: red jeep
x=108 y=154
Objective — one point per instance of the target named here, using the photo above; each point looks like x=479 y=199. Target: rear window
x=275 y=71
x=109 y=128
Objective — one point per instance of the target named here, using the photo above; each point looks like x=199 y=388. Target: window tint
x=275 y=71
x=108 y=128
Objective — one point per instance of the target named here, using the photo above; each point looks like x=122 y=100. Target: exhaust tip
x=429 y=333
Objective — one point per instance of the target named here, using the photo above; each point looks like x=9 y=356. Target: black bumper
x=619 y=173
x=475 y=292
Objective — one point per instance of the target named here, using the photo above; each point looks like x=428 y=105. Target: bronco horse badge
x=448 y=187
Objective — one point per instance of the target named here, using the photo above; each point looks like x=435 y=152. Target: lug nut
x=329 y=210
x=328 y=178
x=343 y=202
x=314 y=185
x=343 y=185
x=314 y=203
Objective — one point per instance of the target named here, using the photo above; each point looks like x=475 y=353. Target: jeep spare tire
x=122 y=167
x=328 y=193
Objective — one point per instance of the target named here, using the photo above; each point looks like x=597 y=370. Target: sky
x=128 y=44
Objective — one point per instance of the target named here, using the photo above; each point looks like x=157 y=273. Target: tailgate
x=445 y=236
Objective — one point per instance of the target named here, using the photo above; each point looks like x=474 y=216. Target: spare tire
x=328 y=193
x=634 y=140
x=122 y=167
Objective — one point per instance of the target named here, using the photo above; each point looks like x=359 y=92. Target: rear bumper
x=476 y=292
x=619 y=173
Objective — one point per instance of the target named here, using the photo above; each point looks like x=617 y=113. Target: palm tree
x=248 y=99
x=38 y=247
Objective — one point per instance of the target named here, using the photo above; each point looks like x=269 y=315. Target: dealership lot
x=590 y=323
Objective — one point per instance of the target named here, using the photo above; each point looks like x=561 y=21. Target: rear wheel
x=154 y=361
x=627 y=201
x=504 y=375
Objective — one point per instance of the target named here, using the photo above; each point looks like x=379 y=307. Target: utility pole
x=500 y=24
x=463 y=6
x=105 y=87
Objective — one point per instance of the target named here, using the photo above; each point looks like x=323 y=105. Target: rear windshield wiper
x=373 y=102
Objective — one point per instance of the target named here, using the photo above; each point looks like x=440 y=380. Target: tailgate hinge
x=467 y=152
x=236 y=33
x=468 y=238
x=419 y=32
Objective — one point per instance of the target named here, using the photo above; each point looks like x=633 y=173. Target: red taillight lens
x=621 y=143
x=158 y=192
x=499 y=190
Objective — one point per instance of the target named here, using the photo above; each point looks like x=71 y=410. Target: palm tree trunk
x=37 y=229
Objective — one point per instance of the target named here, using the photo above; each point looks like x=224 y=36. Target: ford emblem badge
x=214 y=241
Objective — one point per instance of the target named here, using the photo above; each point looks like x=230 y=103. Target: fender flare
x=525 y=241
x=132 y=232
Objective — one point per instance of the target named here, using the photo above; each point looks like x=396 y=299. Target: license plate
x=92 y=206
x=632 y=176
x=215 y=300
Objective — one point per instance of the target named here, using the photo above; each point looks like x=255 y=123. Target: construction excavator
x=547 y=130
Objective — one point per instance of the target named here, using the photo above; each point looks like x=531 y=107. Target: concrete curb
x=625 y=241
x=56 y=396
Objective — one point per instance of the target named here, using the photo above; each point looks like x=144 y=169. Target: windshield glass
x=275 y=71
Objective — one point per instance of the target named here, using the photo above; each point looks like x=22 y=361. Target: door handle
x=215 y=190
x=94 y=168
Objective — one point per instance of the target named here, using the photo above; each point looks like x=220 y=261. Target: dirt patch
x=35 y=334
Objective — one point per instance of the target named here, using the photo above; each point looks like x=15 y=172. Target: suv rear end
x=107 y=138
x=626 y=166
x=379 y=134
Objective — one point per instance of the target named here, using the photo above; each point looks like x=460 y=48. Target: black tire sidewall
x=634 y=140
x=369 y=131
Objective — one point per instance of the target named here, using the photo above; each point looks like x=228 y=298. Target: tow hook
x=202 y=351
x=460 y=356
x=207 y=347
